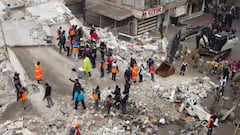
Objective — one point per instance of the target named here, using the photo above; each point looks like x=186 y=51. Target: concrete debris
x=196 y=88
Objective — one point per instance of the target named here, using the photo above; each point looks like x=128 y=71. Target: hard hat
x=77 y=125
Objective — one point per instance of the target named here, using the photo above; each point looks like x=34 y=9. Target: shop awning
x=111 y=12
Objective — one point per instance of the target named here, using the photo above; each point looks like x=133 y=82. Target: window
x=128 y=2
x=114 y=1
x=151 y=3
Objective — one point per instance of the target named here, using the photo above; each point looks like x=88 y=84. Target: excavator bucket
x=165 y=69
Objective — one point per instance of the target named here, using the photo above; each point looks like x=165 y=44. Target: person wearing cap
x=48 y=95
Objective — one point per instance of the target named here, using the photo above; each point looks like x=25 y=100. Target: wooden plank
x=236 y=130
x=228 y=112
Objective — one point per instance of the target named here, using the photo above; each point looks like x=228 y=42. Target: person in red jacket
x=233 y=68
x=109 y=63
x=94 y=36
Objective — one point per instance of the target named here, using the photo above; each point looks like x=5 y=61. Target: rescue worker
x=132 y=62
x=222 y=84
x=134 y=73
x=17 y=83
x=103 y=49
x=38 y=73
x=79 y=33
x=61 y=43
x=92 y=29
x=117 y=96
x=96 y=96
x=109 y=63
x=108 y=103
x=59 y=32
x=76 y=98
x=124 y=104
x=141 y=70
x=126 y=88
x=210 y=124
x=226 y=72
x=23 y=96
x=75 y=49
x=81 y=47
x=71 y=33
x=233 y=68
x=152 y=71
x=87 y=66
x=93 y=57
x=150 y=62
x=215 y=67
x=127 y=75
x=76 y=86
x=114 y=70
x=183 y=67
x=102 y=68
x=48 y=95
x=87 y=50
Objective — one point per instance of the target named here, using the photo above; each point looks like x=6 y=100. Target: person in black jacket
x=124 y=104
x=17 y=83
x=48 y=95
x=127 y=75
x=62 y=42
x=117 y=97
x=76 y=86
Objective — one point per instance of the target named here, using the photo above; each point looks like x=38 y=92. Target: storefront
x=195 y=8
x=147 y=20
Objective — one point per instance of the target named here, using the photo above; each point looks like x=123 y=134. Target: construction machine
x=166 y=68
x=214 y=44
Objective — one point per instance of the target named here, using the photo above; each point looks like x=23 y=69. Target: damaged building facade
x=135 y=17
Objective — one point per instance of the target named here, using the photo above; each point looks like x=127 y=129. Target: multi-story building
x=135 y=17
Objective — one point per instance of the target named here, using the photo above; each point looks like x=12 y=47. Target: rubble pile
x=196 y=88
x=7 y=88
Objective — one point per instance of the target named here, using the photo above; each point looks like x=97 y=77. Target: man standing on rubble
x=114 y=70
x=150 y=62
x=38 y=73
x=134 y=73
x=183 y=67
x=141 y=73
x=103 y=49
x=117 y=96
x=17 y=83
x=210 y=124
x=76 y=86
x=48 y=95
x=223 y=81
x=87 y=66
x=124 y=104
x=62 y=42
x=127 y=75
x=7 y=9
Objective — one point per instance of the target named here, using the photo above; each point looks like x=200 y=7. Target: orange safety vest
x=38 y=73
x=134 y=73
x=95 y=97
x=24 y=96
x=210 y=122
x=102 y=66
x=152 y=70
x=72 y=32
x=114 y=70
x=75 y=50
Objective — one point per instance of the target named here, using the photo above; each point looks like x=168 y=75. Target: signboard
x=181 y=10
x=152 y=12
